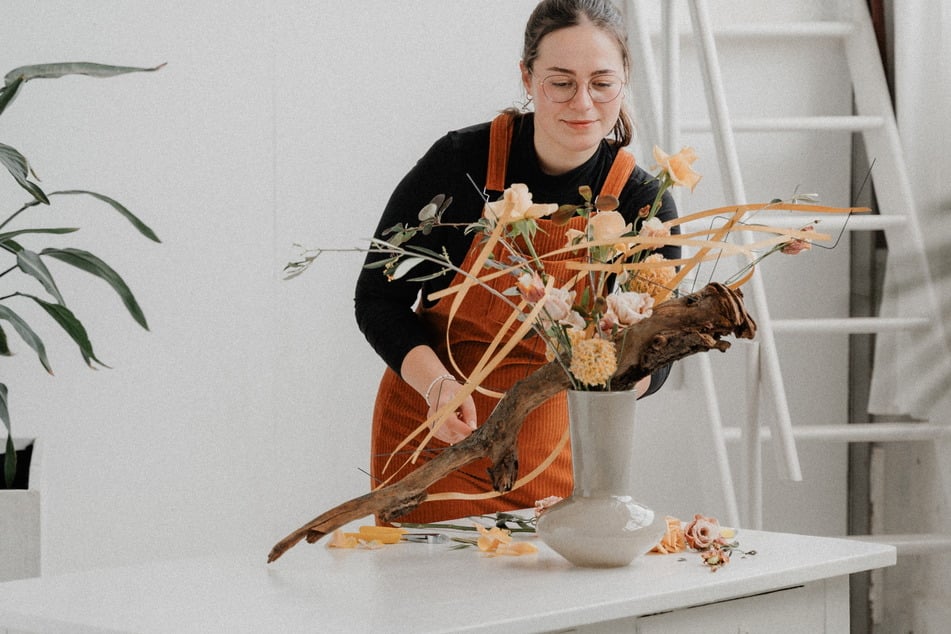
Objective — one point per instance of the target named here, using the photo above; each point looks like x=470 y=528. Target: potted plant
x=26 y=280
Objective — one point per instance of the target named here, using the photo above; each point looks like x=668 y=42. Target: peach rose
x=608 y=225
x=516 y=204
x=654 y=228
x=678 y=165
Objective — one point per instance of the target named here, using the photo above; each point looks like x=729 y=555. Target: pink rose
x=629 y=308
x=558 y=304
x=797 y=245
x=531 y=287
x=715 y=557
x=543 y=505
x=702 y=532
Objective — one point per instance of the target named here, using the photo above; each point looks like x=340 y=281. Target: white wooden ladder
x=874 y=118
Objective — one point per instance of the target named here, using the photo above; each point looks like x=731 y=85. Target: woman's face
x=568 y=133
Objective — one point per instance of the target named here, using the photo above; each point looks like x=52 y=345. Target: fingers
x=467 y=413
x=452 y=430
x=462 y=422
x=457 y=426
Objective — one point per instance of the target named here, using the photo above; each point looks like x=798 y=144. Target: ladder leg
x=753 y=443
x=727 y=155
x=719 y=443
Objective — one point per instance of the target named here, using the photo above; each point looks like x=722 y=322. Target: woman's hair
x=553 y=15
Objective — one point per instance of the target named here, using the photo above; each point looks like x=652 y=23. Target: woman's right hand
x=456 y=426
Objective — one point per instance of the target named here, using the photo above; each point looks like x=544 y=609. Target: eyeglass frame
x=577 y=84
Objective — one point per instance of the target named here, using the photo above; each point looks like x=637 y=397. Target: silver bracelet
x=438 y=379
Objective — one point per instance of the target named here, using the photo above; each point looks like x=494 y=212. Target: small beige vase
x=601 y=525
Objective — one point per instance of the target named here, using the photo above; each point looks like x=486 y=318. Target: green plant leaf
x=14 y=247
x=4 y=411
x=31 y=264
x=60 y=69
x=19 y=168
x=73 y=327
x=8 y=92
x=10 y=454
x=92 y=264
x=4 y=346
x=405 y=266
x=128 y=215
x=26 y=333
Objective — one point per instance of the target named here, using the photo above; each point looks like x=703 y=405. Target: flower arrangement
x=592 y=324
x=617 y=278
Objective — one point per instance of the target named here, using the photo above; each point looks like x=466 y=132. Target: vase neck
x=602 y=442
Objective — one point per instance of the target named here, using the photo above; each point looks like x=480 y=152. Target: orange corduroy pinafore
x=399 y=409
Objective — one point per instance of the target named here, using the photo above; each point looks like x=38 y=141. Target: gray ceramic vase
x=601 y=525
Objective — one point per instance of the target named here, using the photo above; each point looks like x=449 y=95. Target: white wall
x=246 y=410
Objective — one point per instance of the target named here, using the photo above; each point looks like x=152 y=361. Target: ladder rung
x=910 y=544
x=830 y=224
x=846 y=123
x=824 y=28
x=868 y=432
x=826 y=223
x=769 y=30
x=853 y=325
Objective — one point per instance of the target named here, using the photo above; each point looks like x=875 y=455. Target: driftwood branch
x=678 y=328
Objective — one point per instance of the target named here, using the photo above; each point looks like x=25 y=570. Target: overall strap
x=500 y=139
x=620 y=171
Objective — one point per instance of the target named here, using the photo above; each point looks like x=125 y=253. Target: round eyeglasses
x=563 y=88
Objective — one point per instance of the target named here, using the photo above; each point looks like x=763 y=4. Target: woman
x=574 y=67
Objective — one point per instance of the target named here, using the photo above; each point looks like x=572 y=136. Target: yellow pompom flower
x=593 y=361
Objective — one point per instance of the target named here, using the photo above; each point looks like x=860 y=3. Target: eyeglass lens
x=562 y=88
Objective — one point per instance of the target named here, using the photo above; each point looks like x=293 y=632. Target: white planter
x=20 y=522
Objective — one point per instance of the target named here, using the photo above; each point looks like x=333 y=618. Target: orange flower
x=678 y=165
x=491 y=538
x=515 y=549
x=342 y=540
x=498 y=541
x=673 y=540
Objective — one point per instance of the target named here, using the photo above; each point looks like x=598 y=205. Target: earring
x=524 y=106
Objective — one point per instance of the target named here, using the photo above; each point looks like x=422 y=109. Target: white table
x=793 y=584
